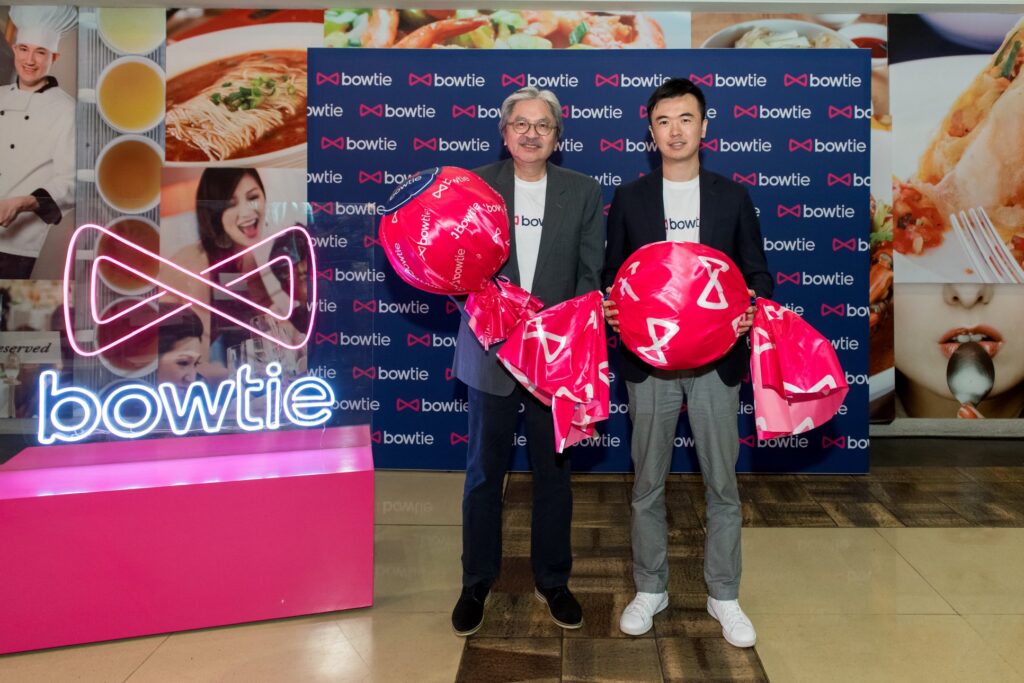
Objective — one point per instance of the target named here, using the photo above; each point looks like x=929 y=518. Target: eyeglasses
x=543 y=128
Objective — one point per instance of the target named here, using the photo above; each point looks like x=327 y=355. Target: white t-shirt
x=682 y=209
x=527 y=225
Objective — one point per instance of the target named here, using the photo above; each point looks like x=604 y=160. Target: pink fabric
x=497 y=308
x=561 y=356
x=445 y=231
x=679 y=304
x=798 y=382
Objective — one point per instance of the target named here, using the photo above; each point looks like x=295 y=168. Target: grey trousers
x=654 y=406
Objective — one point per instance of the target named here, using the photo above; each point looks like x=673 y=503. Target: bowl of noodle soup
x=238 y=97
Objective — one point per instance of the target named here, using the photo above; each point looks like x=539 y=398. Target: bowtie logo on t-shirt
x=524 y=222
x=682 y=223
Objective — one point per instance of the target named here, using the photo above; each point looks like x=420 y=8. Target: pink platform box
x=113 y=540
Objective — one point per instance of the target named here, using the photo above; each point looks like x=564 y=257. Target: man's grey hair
x=531 y=93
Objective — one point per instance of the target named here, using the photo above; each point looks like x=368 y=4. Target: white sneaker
x=736 y=627
x=638 y=617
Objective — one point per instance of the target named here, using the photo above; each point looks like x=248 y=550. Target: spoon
x=970 y=373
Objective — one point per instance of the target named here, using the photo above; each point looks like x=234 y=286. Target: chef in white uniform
x=37 y=139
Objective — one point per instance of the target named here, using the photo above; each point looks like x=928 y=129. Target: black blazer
x=728 y=223
x=568 y=263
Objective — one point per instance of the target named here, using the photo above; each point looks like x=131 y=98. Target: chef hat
x=43 y=25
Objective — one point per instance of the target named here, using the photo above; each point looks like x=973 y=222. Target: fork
x=990 y=256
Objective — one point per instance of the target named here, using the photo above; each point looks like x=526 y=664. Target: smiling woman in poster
x=37 y=139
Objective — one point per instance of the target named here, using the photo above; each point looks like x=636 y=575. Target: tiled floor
x=837 y=585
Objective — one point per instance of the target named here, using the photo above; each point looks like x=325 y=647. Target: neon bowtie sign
x=192 y=300
x=135 y=409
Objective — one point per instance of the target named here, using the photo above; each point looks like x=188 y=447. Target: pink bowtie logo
x=418 y=144
x=826 y=442
x=565 y=111
x=326 y=207
x=739 y=112
x=707 y=80
x=450 y=307
x=788 y=210
x=325 y=274
x=709 y=145
x=601 y=79
x=839 y=310
x=749 y=179
x=749 y=440
x=844 y=179
x=790 y=79
x=456 y=439
x=745 y=379
x=806 y=145
x=413 y=340
x=331 y=78
x=618 y=145
x=358 y=305
x=375 y=177
x=327 y=143
x=783 y=278
x=613 y=341
x=449 y=374
x=204 y=288
x=425 y=79
x=370 y=240
x=845 y=112
x=364 y=372
x=413 y=405
x=331 y=338
x=374 y=110
x=458 y=111
x=518 y=79
x=643 y=111
x=850 y=244
x=605 y=209
x=375 y=437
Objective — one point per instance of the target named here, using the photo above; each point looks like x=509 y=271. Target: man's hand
x=748 y=317
x=611 y=313
x=12 y=206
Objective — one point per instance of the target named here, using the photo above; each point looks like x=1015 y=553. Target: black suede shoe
x=468 y=615
x=562 y=606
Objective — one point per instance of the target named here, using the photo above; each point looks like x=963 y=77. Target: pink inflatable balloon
x=445 y=231
x=679 y=304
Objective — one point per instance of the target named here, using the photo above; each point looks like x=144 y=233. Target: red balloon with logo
x=445 y=231
x=680 y=304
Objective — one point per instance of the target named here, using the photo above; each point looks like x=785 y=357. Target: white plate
x=209 y=47
x=921 y=93
x=728 y=36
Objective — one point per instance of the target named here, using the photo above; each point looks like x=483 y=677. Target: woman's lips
x=249 y=229
x=988 y=337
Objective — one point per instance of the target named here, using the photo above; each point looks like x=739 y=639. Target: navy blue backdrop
x=791 y=125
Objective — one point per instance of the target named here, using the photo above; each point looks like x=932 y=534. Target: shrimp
x=381 y=29
x=625 y=31
x=437 y=32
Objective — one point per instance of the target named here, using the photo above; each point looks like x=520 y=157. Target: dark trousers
x=492 y=426
x=14 y=267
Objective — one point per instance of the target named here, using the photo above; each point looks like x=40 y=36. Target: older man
x=557 y=232
x=37 y=140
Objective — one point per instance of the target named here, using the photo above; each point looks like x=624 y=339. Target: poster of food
x=31 y=322
x=236 y=87
x=505 y=29
x=958 y=105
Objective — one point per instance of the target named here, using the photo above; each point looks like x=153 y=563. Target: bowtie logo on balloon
x=305 y=402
